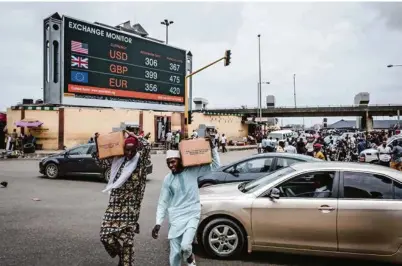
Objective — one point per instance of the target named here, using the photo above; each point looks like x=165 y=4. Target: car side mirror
x=274 y=194
x=234 y=172
x=66 y=154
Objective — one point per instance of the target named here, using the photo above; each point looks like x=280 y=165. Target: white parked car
x=371 y=155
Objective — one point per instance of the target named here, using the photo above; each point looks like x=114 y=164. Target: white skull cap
x=172 y=154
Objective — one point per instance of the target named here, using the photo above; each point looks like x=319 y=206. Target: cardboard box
x=195 y=152
x=111 y=144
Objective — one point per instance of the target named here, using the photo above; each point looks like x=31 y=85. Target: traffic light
x=189 y=117
x=228 y=54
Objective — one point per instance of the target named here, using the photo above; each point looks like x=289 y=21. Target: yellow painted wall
x=231 y=126
x=12 y=117
x=176 y=121
x=148 y=123
x=81 y=123
x=48 y=133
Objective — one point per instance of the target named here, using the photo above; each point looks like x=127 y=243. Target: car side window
x=81 y=150
x=308 y=185
x=91 y=149
x=358 y=185
x=285 y=162
x=259 y=165
x=397 y=190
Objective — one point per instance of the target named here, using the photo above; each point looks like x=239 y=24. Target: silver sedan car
x=327 y=208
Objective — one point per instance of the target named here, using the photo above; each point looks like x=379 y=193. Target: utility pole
x=167 y=23
x=190 y=87
x=259 y=77
x=294 y=88
x=226 y=58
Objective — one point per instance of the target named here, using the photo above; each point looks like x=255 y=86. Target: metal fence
x=309 y=106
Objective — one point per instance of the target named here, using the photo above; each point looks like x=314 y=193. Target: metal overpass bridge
x=312 y=111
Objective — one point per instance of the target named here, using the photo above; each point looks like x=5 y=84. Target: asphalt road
x=62 y=228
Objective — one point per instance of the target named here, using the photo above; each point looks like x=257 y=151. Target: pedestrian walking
x=290 y=148
x=383 y=154
x=179 y=199
x=126 y=187
x=396 y=161
x=177 y=140
x=281 y=146
x=13 y=140
x=217 y=144
x=168 y=145
x=223 y=143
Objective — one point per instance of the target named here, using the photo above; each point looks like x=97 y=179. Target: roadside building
x=69 y=126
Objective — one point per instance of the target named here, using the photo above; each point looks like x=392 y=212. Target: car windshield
x=275 y=135
x=254 y=185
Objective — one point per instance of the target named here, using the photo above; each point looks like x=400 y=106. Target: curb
x=153 y=152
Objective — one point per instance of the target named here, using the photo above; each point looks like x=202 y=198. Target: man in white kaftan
x=180 y=199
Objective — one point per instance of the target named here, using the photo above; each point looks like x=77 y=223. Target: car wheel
x=52 y=170
x=222 y=238
x=106 y=175
x=207 y=184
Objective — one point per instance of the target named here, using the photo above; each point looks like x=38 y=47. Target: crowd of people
x=15 y=142
x=173 y=139
x=333 y=147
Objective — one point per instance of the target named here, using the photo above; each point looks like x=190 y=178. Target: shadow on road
x=79 y=178
x=272 y=258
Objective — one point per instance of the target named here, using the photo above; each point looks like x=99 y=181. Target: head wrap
x=131 y=140
x=172 y=154
x=317 y=145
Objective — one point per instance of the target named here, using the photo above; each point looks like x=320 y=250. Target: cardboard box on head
x=110 y=145
x=195 y=152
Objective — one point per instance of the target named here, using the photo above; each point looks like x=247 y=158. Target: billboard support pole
x=186 y=104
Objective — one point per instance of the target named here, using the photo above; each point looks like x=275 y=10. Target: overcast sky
x=335 y=49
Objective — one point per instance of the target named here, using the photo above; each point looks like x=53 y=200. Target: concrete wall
x=148 y=123
x=231 y=126
x=47 y=134
x=81 y=123
x=12 y=117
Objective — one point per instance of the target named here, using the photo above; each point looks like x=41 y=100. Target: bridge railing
x=308 y=106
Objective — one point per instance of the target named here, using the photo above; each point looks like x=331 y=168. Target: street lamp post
x=259 y=77
x=167 y=23
x=294 y=88
x=259 y=85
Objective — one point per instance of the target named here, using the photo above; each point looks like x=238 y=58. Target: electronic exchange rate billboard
x=105 y=67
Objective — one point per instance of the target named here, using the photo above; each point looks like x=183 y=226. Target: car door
x=304 y=217
x=90 y=164
x=75 y=159
x=369 y=218
x=250 y=169
x=282 y=162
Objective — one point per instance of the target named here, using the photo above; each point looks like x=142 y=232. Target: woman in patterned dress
x=126 y=187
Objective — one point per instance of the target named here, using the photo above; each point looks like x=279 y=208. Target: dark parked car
x=252 y=168
x=77 y=160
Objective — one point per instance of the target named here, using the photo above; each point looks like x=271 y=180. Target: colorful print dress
x=120 y=221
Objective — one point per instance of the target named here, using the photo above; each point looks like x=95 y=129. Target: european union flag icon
x=79 y=76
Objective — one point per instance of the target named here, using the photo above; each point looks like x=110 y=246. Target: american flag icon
x=79 y=47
